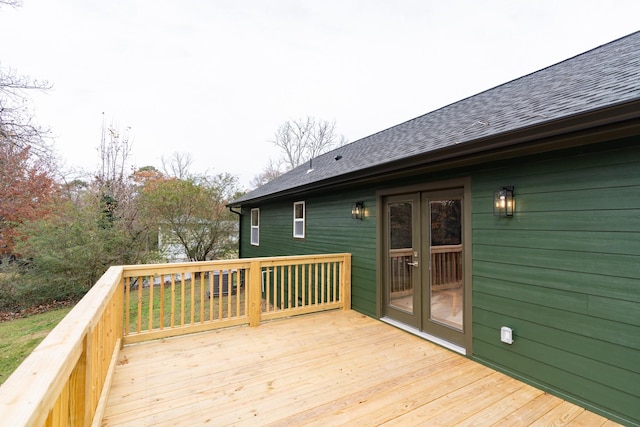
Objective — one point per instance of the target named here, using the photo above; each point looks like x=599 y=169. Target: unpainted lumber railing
x=62 y=381
x=66 y=379
x=173 y=299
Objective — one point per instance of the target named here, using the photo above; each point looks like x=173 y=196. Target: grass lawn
x=19 y=337
x=189 y=305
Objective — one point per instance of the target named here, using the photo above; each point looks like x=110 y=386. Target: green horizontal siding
x=329 y=228
x=582 y=388
x=564 y=274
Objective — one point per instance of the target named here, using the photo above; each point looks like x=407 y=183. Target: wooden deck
x=332 y=368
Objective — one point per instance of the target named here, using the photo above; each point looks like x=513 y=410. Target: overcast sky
x=216 y=78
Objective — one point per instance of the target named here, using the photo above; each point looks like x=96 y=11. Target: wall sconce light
x=503 y=202
x=357 y=211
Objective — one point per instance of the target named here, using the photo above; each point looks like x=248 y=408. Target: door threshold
x=424 y=335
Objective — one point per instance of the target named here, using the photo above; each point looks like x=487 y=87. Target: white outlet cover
x=506 y=335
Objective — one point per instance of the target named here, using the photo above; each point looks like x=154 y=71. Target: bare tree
x=177 y=165
x=115 y=152
x=299 y=141
x=13 y=3
x=269 y=173
x=113 y=184
x=303 y=139
x=17 y=126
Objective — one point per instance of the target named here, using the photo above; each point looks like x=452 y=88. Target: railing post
x=255 y=293
x=345 y=283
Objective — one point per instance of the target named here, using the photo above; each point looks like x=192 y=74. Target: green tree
x=26 y=190
x=66 y=253
x=193 y=214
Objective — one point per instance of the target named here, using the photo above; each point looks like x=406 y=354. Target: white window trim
x=299 y=220
x=255 y=227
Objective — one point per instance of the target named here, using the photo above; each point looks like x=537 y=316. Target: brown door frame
x=465 y=184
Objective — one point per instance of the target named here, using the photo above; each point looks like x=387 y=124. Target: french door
x=424 y=262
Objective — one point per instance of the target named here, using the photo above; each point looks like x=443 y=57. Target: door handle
x=413 y=264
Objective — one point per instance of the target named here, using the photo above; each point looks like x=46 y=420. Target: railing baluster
x=267 y=289
x=202 y=297
x=296 y=287
x=229 y=287
x=173 y=300
x=282 y=283
x=322 y=282
x=219 y=295
x=315 y=284
x=193 y=298
x=182 y=289
x=303 y=284
x=211 y=289
x=161 y=301
x=309 y=300
x=150 y=302
x=239 y=289
x=289 y=295
x=139 y=314
x=127 y=307
x=335 y=281
x=273 y=282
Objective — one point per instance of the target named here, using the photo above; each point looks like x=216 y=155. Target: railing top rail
x=297 y=260
x=320 y=257
x=29 y=393
x=182 y=267
x=203 y=266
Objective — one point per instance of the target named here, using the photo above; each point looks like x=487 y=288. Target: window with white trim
x=298 y=220
x=255 y=227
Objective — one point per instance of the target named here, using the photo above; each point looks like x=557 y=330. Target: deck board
x=332 y=368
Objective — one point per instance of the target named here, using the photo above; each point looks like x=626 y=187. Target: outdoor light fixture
x=503 y=202
x=357 y=211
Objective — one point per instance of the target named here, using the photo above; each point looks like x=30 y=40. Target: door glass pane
x=400 y=289
x=446 y=281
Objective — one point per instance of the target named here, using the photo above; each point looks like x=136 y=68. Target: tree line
x=59 y=235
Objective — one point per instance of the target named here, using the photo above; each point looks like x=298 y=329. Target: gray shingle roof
x=602 y=77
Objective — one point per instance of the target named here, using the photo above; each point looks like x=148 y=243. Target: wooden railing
x=446 y=267
x=66 y=379
x=62 y=381
x=173 y=299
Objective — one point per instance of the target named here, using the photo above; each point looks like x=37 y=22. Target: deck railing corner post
x=255 y=292
x=345 y=283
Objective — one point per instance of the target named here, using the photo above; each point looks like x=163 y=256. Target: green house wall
x=329 y=228
x=563 y=273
